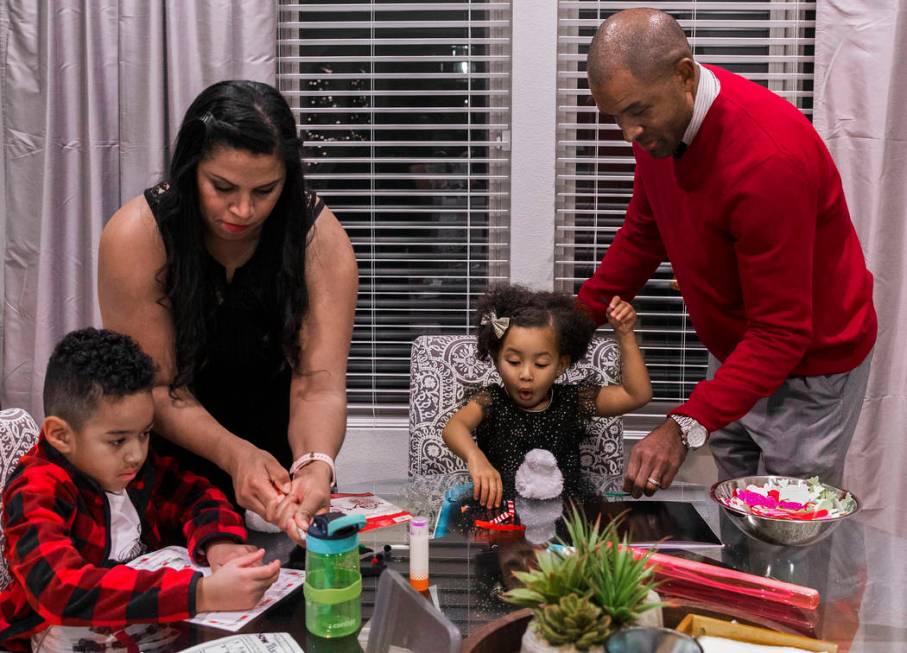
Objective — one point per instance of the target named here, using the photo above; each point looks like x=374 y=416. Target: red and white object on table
x=378 y=512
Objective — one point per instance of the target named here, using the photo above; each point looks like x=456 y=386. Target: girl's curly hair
x=534 y=308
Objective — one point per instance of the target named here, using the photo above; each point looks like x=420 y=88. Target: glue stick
x=418 y=553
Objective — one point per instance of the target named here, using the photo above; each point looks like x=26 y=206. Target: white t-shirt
x=125 y=528
x=125 y=544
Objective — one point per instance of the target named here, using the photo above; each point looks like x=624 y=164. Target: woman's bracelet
x=311 y=457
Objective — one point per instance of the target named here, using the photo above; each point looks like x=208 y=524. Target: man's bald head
x=646 y=42
x=642 y=73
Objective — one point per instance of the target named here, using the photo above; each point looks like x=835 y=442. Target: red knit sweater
x=754 y=221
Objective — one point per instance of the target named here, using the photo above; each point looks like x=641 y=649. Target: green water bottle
x=333 y=584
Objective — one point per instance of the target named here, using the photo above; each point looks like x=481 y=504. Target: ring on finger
x=653 y=481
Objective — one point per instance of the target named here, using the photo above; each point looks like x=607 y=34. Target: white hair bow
x=499 y=324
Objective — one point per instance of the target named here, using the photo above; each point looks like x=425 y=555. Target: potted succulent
x=578 y=598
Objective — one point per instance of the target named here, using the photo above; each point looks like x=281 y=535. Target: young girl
x=532 y=338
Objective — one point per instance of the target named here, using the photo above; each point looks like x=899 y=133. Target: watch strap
x=311 y=457
x=686 y=424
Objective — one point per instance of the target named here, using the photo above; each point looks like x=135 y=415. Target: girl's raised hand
x=621 y=316
x=486 y=481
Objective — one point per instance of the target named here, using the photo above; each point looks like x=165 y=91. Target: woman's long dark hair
x=255 y=118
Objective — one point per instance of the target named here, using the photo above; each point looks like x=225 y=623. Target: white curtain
x=861 y=95
x=91 y=94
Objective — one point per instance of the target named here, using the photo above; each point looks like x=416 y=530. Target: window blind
x=404 y=108
x=770 y=42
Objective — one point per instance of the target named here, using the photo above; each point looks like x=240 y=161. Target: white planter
x=532 y=642
x=652 y=617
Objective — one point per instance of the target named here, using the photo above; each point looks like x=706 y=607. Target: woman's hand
x=220 y=552
x=258 y=479
x=309 y=495
x=487 y=486
x=621 y=316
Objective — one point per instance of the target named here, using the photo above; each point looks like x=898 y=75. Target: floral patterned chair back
x=443 y=367
x=18 y=434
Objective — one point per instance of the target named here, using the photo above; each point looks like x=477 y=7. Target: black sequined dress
x=507 y=432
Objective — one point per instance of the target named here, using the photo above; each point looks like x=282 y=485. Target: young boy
x=88 y=496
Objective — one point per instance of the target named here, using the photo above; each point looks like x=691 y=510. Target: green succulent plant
x=620 y=582
x=601 y=574
x=573 y=620
x=556 y=576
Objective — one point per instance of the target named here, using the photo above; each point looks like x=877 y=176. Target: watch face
x=696 y=436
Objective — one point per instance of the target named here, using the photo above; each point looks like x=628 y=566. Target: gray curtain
x=91 y=94
x=861 y=92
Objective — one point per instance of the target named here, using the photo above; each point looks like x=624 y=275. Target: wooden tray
x=696 y=625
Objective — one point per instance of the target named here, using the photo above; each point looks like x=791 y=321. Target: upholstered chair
x=442 y=368
x=18 y=434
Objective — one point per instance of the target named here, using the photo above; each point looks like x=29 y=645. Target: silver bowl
x=782 y=532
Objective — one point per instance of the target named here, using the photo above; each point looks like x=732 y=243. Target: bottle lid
x=418 y=524
x=335 y=526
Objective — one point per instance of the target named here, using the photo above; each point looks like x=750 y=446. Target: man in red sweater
x=737 y=190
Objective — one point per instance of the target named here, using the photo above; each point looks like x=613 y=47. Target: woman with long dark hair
x=242 y=287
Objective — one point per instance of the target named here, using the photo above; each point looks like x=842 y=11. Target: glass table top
x=859 y=571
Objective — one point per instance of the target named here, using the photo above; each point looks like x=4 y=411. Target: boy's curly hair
x=89 y=364
x=534 y=308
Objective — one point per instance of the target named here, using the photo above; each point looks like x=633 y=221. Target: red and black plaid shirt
x=57 y=525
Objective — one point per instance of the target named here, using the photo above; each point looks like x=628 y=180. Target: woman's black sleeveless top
x=244 y=378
